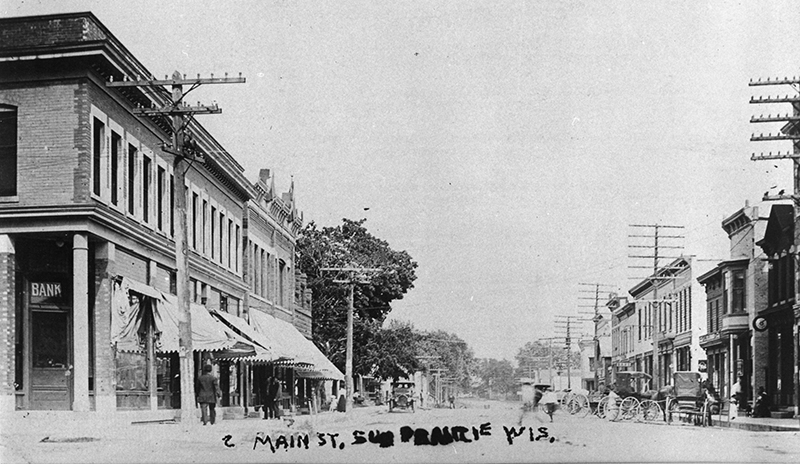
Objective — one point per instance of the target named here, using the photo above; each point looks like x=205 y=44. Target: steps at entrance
x=782 y=414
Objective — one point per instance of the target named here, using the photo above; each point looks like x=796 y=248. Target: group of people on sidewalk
x=739 y=402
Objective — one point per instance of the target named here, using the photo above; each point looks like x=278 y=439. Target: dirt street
x=476 y=432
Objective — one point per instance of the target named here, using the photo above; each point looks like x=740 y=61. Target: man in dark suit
x=207 y=391
x=275 y=398
x=269 y=400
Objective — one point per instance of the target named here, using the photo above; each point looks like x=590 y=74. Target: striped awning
x=303 y=350
x=266 y=349
x=208 y=334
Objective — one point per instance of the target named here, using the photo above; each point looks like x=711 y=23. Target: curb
x=755 y=427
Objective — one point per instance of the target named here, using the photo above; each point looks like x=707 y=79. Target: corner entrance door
x=51 y=370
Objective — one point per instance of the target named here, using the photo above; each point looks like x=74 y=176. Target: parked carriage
x=691 y=402
x=632 y=399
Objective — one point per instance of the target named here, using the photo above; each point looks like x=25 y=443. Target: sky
x=505 y=145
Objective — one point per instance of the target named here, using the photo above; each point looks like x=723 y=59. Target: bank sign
x=47 y=292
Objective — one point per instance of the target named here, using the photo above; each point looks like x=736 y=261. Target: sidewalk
x=758 y=424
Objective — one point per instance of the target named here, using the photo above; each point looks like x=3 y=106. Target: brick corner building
x=87 y=249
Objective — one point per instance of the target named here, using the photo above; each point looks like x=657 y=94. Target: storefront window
x=131 y=372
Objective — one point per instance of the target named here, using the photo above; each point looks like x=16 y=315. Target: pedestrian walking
x=207 y=391
x=549 y=399
x=452 y=400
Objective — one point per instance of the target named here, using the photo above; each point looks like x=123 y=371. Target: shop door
x=51 y=370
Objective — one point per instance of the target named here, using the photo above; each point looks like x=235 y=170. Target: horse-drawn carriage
x=631 y=398
x=691 y=401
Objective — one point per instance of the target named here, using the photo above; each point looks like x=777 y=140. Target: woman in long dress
x=341 y=406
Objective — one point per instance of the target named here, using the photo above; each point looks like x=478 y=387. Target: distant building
x=669 y=304
x=624 y=346
x=735 y=289
x=596 y=359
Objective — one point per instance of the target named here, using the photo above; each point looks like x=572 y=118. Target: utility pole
x=178 y=111
x=596 y=318
x=655 y=280
x=790 y=131
x=354 y=275
x=563 y=325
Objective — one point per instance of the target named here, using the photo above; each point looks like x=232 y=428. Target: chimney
x=263 y=176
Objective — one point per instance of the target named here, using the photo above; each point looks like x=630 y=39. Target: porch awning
x=128 y=326
x=320 y=361
x=302 y=349
x=208 y=334
x=279 y=332
x=264 y=350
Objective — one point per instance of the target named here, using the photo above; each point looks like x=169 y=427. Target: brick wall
x=45 y=148
x=48 y=31
x=7 y=321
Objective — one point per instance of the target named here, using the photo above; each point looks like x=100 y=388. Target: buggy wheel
x=585 y=406
x=602 y=407
x=651 y=410
x=572 y=406
x=629 y=408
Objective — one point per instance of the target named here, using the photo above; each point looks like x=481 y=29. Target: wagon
x=632 y=399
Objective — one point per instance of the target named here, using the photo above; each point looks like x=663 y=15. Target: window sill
x=9 y=199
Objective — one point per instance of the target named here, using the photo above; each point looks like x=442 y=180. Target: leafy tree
x=449 y=352
x=393 y=351
x=496 y=376
x=351 y=245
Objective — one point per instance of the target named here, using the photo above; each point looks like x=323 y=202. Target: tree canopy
x=350 y=245
x=496 y=376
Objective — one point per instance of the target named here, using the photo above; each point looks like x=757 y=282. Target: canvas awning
x=279 y=331
x=265 y=350
x=302 y=349
x=208 y=334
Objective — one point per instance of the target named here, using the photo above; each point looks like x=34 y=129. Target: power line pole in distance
x=655 y=280
x=596 y=318
x=177 y=110
x=354 y=275
x=563 y=325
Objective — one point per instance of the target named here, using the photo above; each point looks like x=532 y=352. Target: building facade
x=87 y=225
x=668 y=304
x=776 y=318
x=735 y=288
